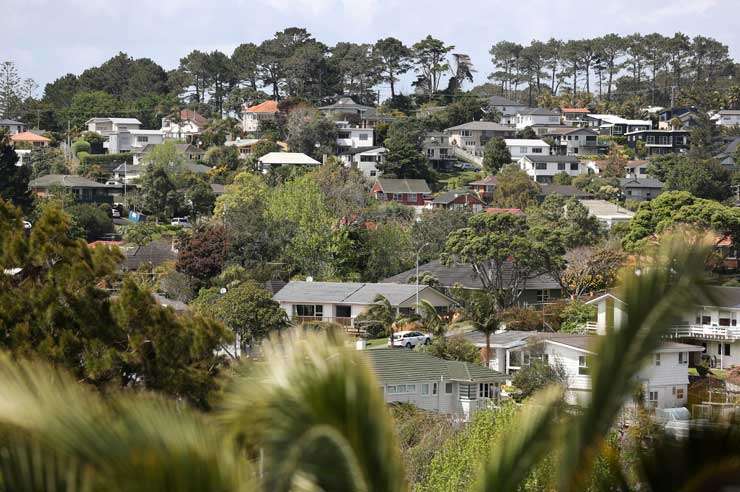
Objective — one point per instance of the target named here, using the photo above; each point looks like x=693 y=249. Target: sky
x=49 y=38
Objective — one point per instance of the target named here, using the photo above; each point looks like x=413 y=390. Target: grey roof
x=540 y=112
x=731 y=147
x=462 y=274
x=587 y=343
x=360 y=150
x=346 y=292
x=730 y=111
x=502 y=101
x=640 y=183
x=565 y=190
x=564 y=130
x=67 y=181
x=401 y=366
x=389 y=185
x=11 y=122
x=482 y=126
x=449 y=196
x=503 y=339
x=156 y=253
x=346 y=103
x=551 y=158
x=726 y=297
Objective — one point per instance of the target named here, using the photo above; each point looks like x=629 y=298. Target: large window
x=541 y=166
x=653 y=398
x=485 y=390
x=448 y=388
x=727 y=319
x=543 y=295
x=561 y=166
x=443 y=152
x=465 y=133
x=574 y=166
x=536 y=150
x=425 y=389
x=401 y=388
x=363 y=137
x=583 y=368
x=309 y=310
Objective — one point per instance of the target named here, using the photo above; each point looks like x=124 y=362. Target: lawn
x=375 y=343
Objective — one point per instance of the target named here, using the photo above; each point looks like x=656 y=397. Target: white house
x=190 y=124
x=365 y=159
x=108 y=126
x=609 y=124
x=473 y=136
x=252 y=116
x=277 y=159
x=12 y=126
x=607 y=213
x=507 y=108
x=519 y=147
x=454 y=388
x=727 y=117
x=352 y=137
x=536 y=116
x=542 y=168
x=123 y=134
x=342 y=302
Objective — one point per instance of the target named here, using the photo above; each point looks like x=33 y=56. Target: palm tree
x=480 y=312
x=431 y=319
x=380 y=313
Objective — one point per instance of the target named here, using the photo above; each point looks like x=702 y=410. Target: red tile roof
x=265 y=107
x=574 y=110
x=29 y=137
x=194 y=116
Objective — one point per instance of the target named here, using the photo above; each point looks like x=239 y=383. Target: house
x=543 y=168
x=123 y=134
x=187 y=125
x=411 y=192
x=449 y=387
x=575 y=116
x=536 y=290
x=30 y=139
x=151 y=254
x=12 y=126
x=342 y=302
x=576 y=141
x=536 y=116
x=727 y=156
x=276 y=159
x=252 y=116
x=188 y=151
x=607 y=213
x=567 y=191
x=440 y=154
x=609 y=124
x=458 y=200
x=727 y=117
x=83 y=189
x=637 y=168
x=686 y=116
x=519 y=147
x=484 y=187
x=357 y=115
x=507 y=108
x=108 y=126
x=640 y=188
x=473 y=136
x=352 y=137
x=365 y=159
x=712 y=323
x=659 y=141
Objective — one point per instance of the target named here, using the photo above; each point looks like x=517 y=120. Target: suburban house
x=712 y=324
x=659 y=141
x=352 y=137
x=637 y=168
x=685 y=116
x=727 y=156
x=123 y=134
x=507 y=108
x=727 y=117
x=12 y=126
x=356 y=115
x=543 y=168
x=536 y=116
x=411 y=192
x=83 y=189
x=640 y=188
x=472 y=136
x=30 y=139
x=342 y=302
x=458 y=200
x=252 y=116
x=484 y=187
x=365 y=159
x=575 y=116
x=536 y=290
x=576 y=141
x=609 y=124
x=519 y=147
x=449 y=387
x=664 y=378
x=277 y=159
x=188 y=151
x=607 y=213
x=436 y=146
x=187 y=125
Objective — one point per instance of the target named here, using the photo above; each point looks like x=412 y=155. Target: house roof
x=640 y=183
x=362 y=150
x=551 y=158
x=602 y=208
x=502 y=101
x=450 y=196
x=346 y=103
x=269 y=106
x=730 y=112
x=487 y=181
x=732 y=146
x=618 y=120
x=194 y=116
x=66 y=180
x=462 y=274
x=482 y=126
x=575 y=110
x=295 y=158
x=401 y=366
x=540 y=112
x=565 y=190
x=390 y=185
x=669 y=132
x=717 y=296
x=503 y=339
x=565 y=130
x=241 y=142
x=156 y=253
x=347 y=292
x=11 y=122
x=218 y=189
x=118 y=121
x=29 y=137
x=586 y=343
x=529 y=142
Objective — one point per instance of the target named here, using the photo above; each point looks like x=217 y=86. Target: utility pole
x=418 y=251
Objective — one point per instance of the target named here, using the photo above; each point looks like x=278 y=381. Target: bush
x=79 y=146
x=91 y=219
x=575 y=314
x=536 y=376
x=522 y=318
x=106 y=161
x=452 y=348
x=702 y=370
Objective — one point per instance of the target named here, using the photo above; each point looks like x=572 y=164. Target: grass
x=375 y=343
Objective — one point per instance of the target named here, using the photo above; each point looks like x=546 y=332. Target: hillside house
x=519 y=147
x=187 y=125
x=640 y=188
x=411 y=192
x=122 y=135
x=609 y=124
x=436 y=146
x=607 y=213
x=484 y=187
x=365 y=159
x=272 y=160
x=30 y=139
x=685 y=116
x=352 y=137
x=12 y=126
x=659 y=142
x=83 y=189
x=575 y=141
x=575 y=116
x=507 y=108
x=253 y=116
x=727 y=117
x=473 y=136
x=543 y=168
x=458 y=200
x=536 y=116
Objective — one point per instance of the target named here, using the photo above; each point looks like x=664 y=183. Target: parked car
x=180 y=221
x=409 y=339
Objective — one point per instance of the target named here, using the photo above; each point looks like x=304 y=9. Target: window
x=575 y=137
x=448 y=388
x=443 y=152
x=650 y=139
x=522 y=150
x=430 y=153
x=683 y=357
x=536 y=150
x=434 y=388
x=363 y=137
x=561 y=166
x=643 y=170
x=343 y=135
x=706 y=320
x=309 y=310
x=657 y=359
x=727 y=349
x=425 y=389
x=664 y=140
x=726 y=319
x=540 y=166
x=653 y=397
x=515 y=359
x=679 y=393
x=574 y=166
x=543 y=295
x=465 y=133
x=590 y=138
x=142 y=139
x=485 y=390
x=583 y=368
x=575 y=150
x=367 y=158
x=373 y=172
x=390 y=390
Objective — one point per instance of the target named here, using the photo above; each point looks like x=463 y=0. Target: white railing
x=705 y=331
x=590 y=327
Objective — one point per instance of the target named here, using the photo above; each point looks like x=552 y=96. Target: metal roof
x=640 y=183
x=389 y=185
x=533 y=142
x=401 y=366
x=540 y=112
x=482 y=126
x=348 y=292
x=288 y=158
x=66 y=180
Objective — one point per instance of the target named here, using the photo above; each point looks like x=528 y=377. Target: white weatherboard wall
x=666 y=379
x=441 y=402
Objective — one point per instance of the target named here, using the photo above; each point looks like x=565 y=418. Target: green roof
x=401 y=365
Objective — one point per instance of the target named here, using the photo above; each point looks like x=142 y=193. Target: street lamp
x=418 y=251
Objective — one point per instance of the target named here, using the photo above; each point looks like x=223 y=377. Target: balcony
x=705 y=332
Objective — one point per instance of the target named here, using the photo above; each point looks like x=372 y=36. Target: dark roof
x=640 y=183
x=540 y=112
x=462 y=274
x=347 y=292
x=273 y=286
x=401 y=366
x=218 y=189
x=67 y=181
x=551 y=158
x=565 y=190
x=194 y=116
x=389 y=185
x=449 y=196
x=156 y=253
x=482 y=126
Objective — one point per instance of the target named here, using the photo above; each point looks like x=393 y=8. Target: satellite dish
x=309 y=279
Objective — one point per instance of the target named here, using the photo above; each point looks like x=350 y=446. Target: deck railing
x=708 y=332
x=323 y=319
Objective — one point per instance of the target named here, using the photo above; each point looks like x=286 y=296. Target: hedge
x=105 y=161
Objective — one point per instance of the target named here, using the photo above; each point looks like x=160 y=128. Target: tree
x=567 y=218
x=537 y=376
x=703 y=178
x=455 y=347
x=496 y=155
x=10 y=90
x=158 y=193
x=246 y=60
x=345 y=189
x=310 y=132
x=394 y=58
x=199 y=195
x=433 y=227
x=202 y=256
x=575 y=315
x=405 y=158
x=430 y=60
x=14 y=185
x=46 y=160
x=378 y=318
x=93 y=220
x=514 y=189
x=591 y=269
x=615 y=164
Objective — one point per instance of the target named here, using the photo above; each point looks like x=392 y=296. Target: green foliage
x=537 y=376
x=104 y=160
x=91 y=219
x=591 y=269
x=46 y=160
x=562 y=179
x=575 y=314
x=703 y=178
x=405 y=158
x=306 y=128
x=14 y=185
x=496 y=155
x=158 y=192
x=389 y=251
x=264 y=147
x=523 y=318
x=455 y=347
x=515 y=189
x=80 y=146
x=568 y=218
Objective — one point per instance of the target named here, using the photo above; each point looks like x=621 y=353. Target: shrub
x=522 y=318
x=80 y=145
x=536 y=376
x=92 y=219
